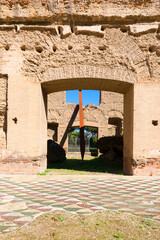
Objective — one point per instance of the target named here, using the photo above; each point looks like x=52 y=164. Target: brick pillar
x=27 y=122
x=26 y=119
x=128 y=131
x=141 y=130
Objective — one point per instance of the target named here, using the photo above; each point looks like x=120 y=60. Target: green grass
x=93 y=165
x=118 y=235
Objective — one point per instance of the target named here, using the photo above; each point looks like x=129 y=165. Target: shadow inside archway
x=96 y=165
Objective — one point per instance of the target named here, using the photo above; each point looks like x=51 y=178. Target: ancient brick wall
x=43 y=52
x=63 y=45
x=3 y=111
x=50 y=10
x=59 y=111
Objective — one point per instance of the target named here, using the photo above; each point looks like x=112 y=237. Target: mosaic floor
x=21 y=202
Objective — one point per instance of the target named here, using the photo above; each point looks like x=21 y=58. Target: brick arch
x=114 y=113
x=87 y=77
x=125 y=45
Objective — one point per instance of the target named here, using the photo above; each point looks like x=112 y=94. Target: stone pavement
x=22 y=198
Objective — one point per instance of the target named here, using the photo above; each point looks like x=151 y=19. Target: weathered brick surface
x=21 y=164
x=146 y=167
x=3 y=111
x=93 y=10
x=102 y=45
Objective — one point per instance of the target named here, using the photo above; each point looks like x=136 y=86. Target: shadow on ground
x=94 y=165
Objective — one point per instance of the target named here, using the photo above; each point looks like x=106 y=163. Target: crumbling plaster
x=63 y=45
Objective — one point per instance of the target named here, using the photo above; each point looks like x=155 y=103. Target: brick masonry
x=116 y=50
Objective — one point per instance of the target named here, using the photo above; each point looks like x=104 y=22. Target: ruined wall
x=40 y=10
x=112 y=104
x=63 y=45
x=60 y=113
x=3 y=111
x=130 y=51
x=86 y=47
x=107 y=37
x=43 y=52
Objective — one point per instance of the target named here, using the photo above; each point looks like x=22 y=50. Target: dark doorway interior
x=54 y=128
x=117 y=122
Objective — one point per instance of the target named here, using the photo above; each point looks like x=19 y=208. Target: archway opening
x=91 y=137
x=115 y=86
x=115 y=126
x=67 y=132
x=89 y=97
x=52 y=132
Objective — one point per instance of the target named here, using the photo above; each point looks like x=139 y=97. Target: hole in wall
x=87 y=47
x=102 y=28
x=70 y=47
x=72 y=27
x=7 y=47
x=15 y=120
x=152 y=49
x=158 y=52
x=59 y=30
x=54 y=48
x=17 y=28
x=155 y=122
x=39 y=49
x=124 y=29
x=23 y=48
x=102 y=48
x=158 y=36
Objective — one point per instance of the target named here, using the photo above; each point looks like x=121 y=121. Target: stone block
x=65 y=31
x=90 y=30
x=143 y=29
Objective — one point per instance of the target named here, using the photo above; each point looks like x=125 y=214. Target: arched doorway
x=117 y=123
x=91 y=137
x=97 y=83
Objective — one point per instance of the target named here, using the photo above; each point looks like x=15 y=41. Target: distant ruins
x=50 y=46
x=107 y=117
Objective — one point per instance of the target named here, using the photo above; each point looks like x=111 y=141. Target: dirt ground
x=106 y=225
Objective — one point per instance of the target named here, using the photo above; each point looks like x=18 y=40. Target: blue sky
x=88 y=97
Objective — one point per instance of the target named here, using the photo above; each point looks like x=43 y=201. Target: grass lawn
x=106 y=225
x=88 y=166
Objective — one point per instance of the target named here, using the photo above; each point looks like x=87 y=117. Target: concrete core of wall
x=51 y=48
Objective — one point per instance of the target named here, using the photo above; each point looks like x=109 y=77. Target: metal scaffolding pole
x=81 y=126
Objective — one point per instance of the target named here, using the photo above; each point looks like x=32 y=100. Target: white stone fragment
x=95 y=30
x=65 y=31
x=139 y=29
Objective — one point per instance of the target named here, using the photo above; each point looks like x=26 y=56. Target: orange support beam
x=81 y=125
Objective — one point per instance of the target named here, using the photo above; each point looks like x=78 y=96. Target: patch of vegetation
x=42 y=173
x=148 y=222
x=107 y=225
x=118 y=235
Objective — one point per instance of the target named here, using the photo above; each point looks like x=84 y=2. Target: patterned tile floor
x=21 y=202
